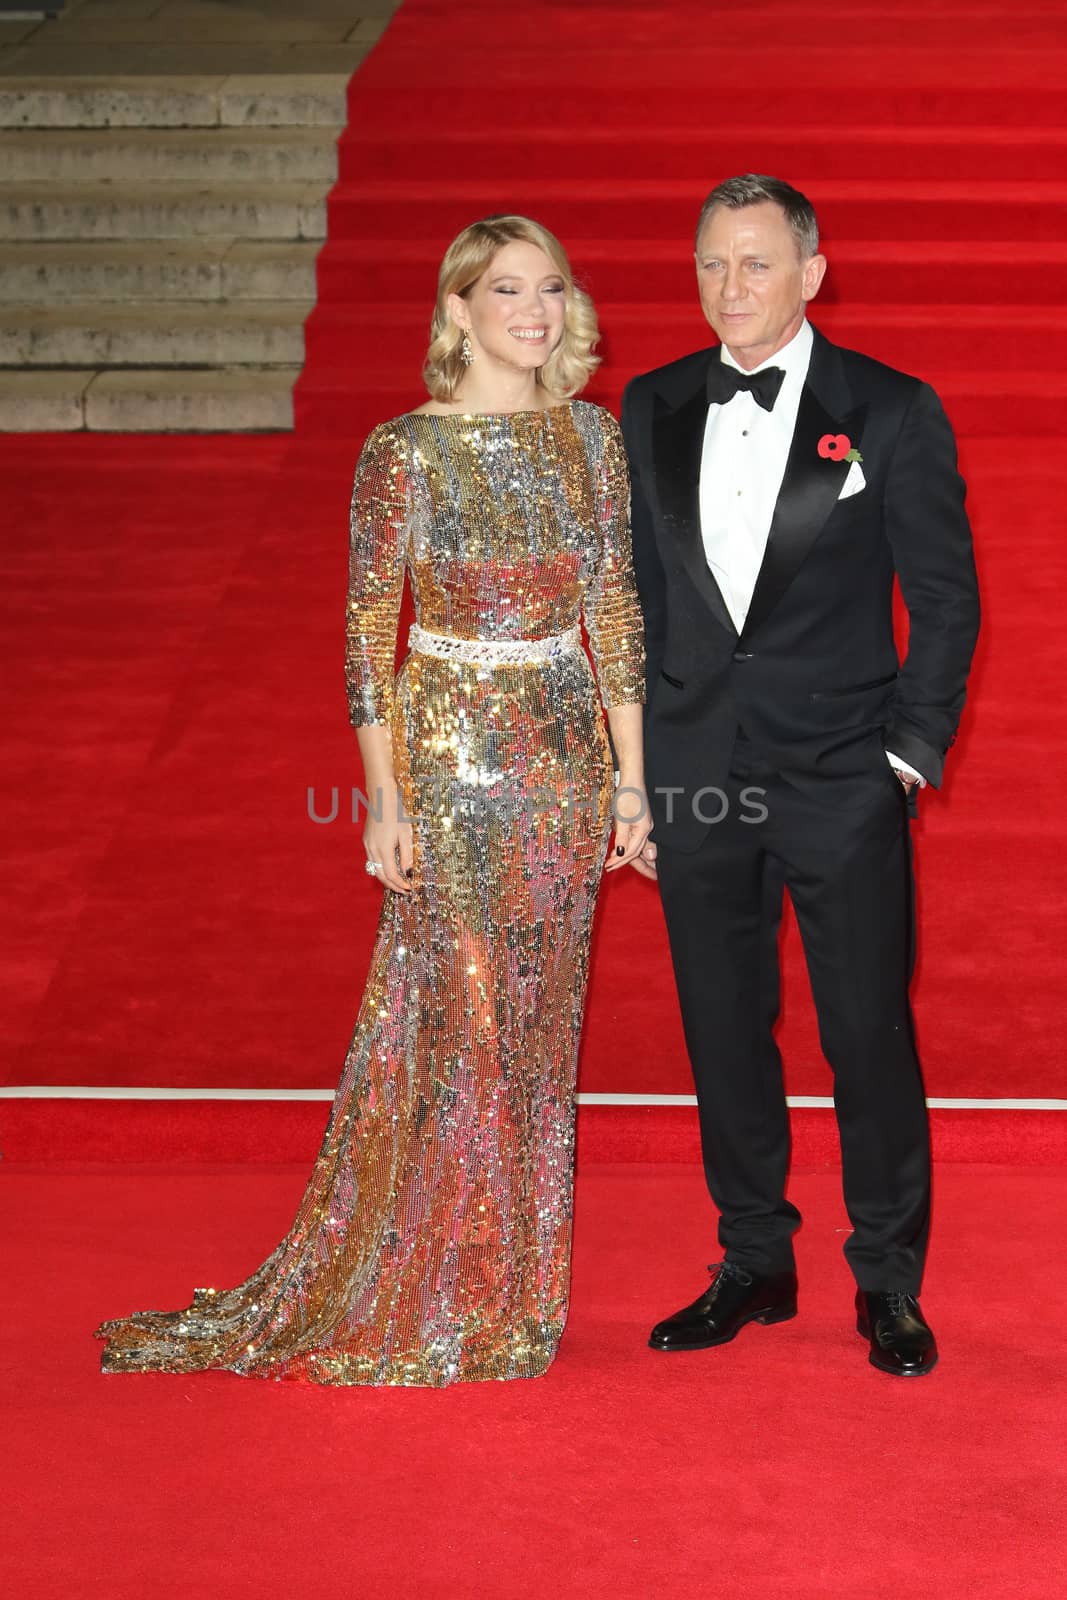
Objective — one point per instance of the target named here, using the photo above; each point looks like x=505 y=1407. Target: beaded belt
x=493 y=652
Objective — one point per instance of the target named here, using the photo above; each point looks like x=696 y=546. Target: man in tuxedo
x=780 y=483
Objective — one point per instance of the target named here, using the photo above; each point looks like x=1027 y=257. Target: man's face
x=754 y=286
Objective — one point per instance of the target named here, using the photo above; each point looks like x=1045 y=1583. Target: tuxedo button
x=743 y=655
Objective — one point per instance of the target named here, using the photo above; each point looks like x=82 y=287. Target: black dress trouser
x=848 y=872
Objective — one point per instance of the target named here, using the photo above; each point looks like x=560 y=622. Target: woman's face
x=514 y=312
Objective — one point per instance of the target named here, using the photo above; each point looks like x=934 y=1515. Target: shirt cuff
x=908 y=771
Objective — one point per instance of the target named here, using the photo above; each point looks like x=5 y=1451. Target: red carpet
x=173 y=634
x=196 y=1130
x=172 y=615
x=173 y=607
x=781 y=1466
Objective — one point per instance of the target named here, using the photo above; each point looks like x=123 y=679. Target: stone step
x=184 y=58
x=205 y=155
x=161 y=211
x=161 y=334
x=197 y=269
x=242 y=399
x=176 y=100
x=168 y=22
x=43 y=402
x=227 y=400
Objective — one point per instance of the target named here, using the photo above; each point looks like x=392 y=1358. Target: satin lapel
x=677 y=447
x=808 y=494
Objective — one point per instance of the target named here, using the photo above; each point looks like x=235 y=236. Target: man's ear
x=814 y=272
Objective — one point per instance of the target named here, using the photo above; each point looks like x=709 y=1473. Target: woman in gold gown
x=432 y=1244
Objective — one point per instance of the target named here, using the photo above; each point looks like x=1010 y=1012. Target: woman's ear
x=458 y=311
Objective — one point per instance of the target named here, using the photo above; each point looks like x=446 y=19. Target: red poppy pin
x=838 y=447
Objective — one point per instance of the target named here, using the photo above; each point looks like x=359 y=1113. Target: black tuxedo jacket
x=813 y=678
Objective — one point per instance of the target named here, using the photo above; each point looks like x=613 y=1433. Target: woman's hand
x=633 y=824
x=387 y=837
x=633 y=819
x=389 y=844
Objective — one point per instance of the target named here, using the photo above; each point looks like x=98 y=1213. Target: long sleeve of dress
x=612 y=610
x=379 y=525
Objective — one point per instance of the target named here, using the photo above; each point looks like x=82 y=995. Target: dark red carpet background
x=173 y=607
x=172 y=615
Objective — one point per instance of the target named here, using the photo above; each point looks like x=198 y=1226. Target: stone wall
x=164 y=167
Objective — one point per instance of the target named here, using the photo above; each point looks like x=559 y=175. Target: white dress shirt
x=741 y=471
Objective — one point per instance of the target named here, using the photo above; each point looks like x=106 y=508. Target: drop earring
x=466 y=350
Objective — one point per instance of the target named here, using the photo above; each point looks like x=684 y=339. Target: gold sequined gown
x=432 y=1244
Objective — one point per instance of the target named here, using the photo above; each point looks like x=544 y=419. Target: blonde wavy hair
x=571 y=364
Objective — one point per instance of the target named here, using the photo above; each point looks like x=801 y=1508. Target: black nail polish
x=409 y=872
x=620 y=850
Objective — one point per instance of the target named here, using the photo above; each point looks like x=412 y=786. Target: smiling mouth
x=528 y=335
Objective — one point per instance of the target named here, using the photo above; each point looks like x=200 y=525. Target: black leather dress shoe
x=901 y=1340
x=734 y=1298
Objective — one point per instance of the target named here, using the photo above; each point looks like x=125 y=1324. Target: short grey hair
x=752 y=189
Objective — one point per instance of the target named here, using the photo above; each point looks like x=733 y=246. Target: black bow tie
x=724 y=382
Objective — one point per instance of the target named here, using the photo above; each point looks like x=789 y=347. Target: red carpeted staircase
x=936 y=155
x=175 y=604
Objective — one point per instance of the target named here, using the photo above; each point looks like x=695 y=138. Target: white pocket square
x=854 y=482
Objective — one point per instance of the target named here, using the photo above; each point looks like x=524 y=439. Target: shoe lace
x=898 y=1302
x=729 y=1269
